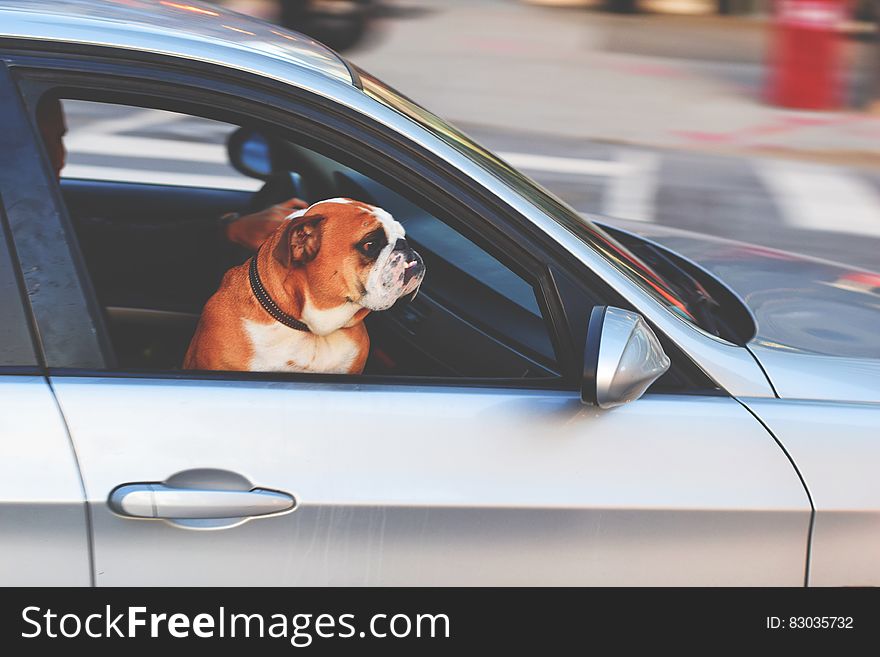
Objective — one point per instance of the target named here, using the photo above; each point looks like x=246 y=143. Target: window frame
x=34 y=228
x=197 y=93
x=18 y=349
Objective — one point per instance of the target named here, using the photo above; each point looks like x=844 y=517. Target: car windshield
x=623 y=258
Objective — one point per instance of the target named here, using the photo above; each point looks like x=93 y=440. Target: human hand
x=251 y=230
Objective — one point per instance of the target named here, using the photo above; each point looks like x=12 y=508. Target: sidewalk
x=656 y=81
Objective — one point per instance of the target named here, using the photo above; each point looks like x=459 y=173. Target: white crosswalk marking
x=816 y=197
x=135 y=120
x=636 y=168
x=702 y=192
x=632 y=195
x=153 y=177
x=143 y=147
x=572 y=165
x=150 y=148
x=809 y=196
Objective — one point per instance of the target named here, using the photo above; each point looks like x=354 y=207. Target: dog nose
x=401 y=244
x=414 y=267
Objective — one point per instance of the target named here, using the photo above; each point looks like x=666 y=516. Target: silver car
x=564 y=403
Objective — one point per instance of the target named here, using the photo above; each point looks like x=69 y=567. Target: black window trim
x=104 y=81
x=23 y=184
x=27 y=350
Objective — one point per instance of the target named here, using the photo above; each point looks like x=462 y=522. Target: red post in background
x=806 y=54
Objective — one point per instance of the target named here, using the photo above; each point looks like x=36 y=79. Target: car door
x=431 y=485
x=229 y=479
x=835 y=447
x=43 y=529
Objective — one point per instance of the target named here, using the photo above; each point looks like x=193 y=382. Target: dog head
x=352 y=252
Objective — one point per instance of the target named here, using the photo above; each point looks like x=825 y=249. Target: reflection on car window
x=131 y=144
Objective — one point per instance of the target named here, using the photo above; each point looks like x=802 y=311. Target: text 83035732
x=809 y=623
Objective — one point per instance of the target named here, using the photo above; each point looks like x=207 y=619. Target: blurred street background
x=670 y=115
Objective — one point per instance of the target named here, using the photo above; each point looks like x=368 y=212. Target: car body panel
x=817 y=321
x=434 y=485
x=798 y=375
x=42 y=505
x=837 y=449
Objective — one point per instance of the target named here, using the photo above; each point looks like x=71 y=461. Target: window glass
x=131 y=144
x=160 y=212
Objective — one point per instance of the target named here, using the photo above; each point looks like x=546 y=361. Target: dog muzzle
x=398 y=272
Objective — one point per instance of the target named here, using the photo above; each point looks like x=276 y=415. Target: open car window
x=136 y=145
x=146 y=189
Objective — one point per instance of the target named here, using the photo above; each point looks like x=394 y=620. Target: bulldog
x=299 y=303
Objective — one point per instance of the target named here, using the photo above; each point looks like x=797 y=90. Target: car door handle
x=161 y=501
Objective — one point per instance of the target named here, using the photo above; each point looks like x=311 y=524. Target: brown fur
x=312 y=257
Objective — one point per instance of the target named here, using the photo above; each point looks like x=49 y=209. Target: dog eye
x=370 y=248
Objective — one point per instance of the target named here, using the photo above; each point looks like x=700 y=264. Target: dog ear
x=300 y=241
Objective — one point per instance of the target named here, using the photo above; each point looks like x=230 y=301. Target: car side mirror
x=622 y=358
x=250 y=152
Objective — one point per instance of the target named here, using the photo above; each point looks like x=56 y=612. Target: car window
x=151 y=195
x=464 y=264
x=131 y=144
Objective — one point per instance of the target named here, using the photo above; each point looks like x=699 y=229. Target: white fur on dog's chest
x=278 y=348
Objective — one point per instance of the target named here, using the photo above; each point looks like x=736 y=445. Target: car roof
x=183 y=28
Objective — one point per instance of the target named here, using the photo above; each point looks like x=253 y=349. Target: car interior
x=473 y=316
